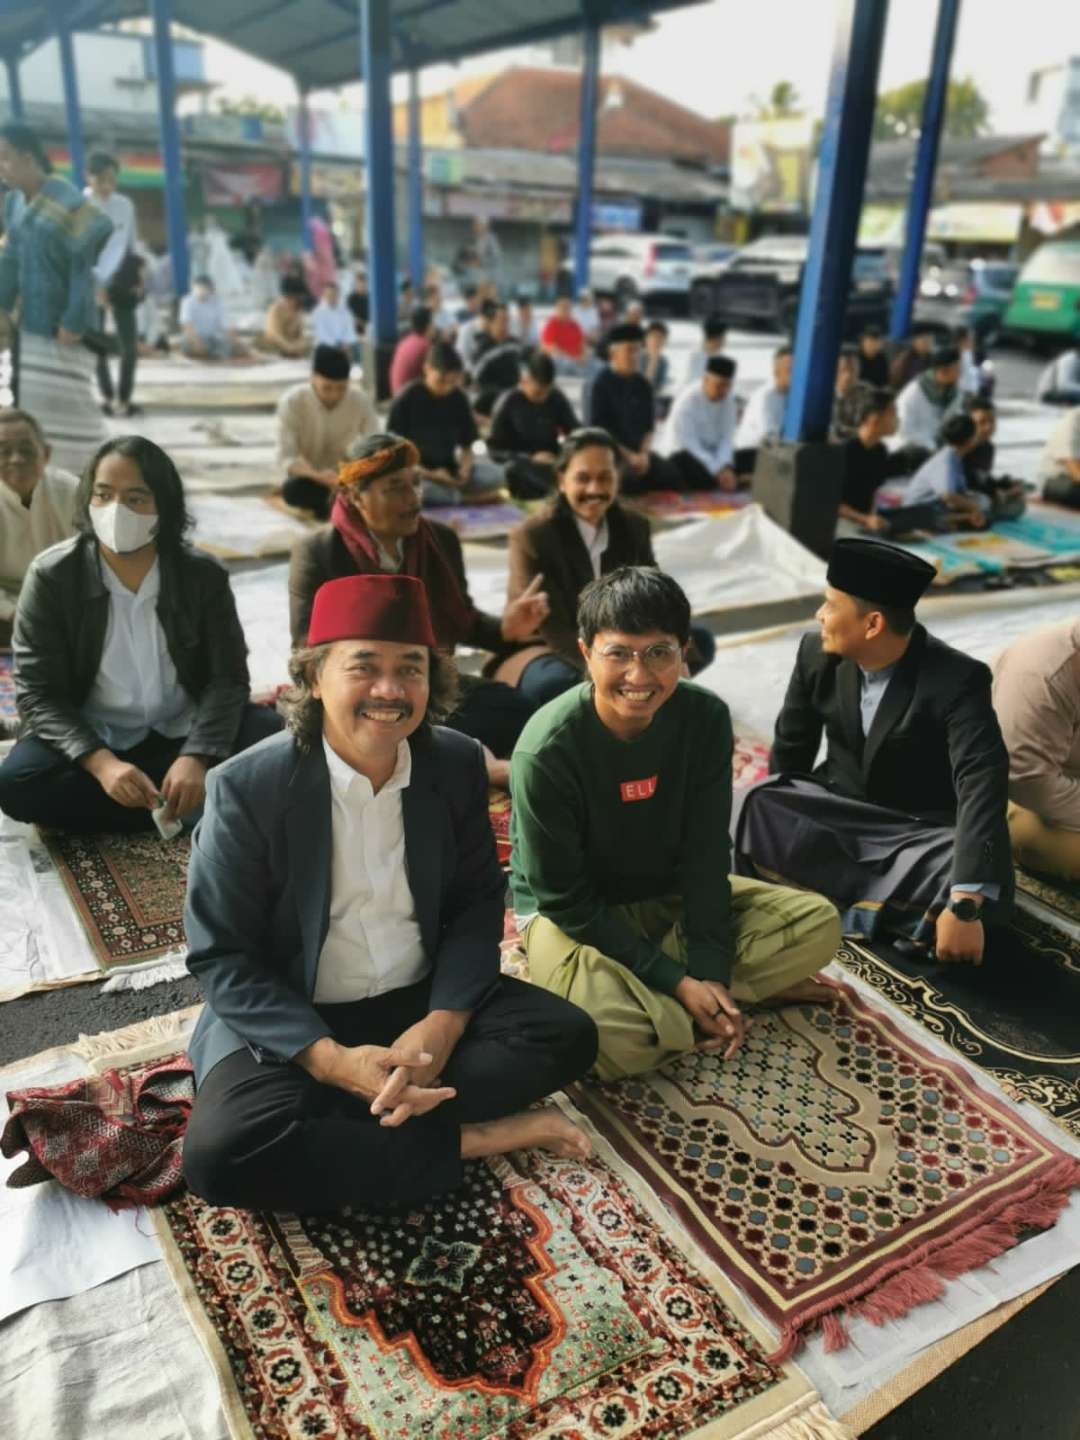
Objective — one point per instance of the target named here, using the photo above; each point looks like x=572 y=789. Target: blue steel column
x=845 y=146
x=71 y=93
x=14 y=85
x=304 y=127
x=922 y=186
x=175 y=222
x=590 y=87
x=416 y=185
x=376 y=64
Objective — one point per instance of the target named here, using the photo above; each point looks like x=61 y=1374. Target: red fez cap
x=372 y=607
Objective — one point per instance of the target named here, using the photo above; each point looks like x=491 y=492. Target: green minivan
x=1046 y=300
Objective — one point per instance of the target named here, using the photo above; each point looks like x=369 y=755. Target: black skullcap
x=330 y=362
x=944 y=355
x=627 y=331
x=722 y=365
x=883 y=574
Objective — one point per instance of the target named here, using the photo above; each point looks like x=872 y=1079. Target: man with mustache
x=376 y=526
x=344 y=913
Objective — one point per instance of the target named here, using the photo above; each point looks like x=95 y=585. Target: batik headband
x=399 y=456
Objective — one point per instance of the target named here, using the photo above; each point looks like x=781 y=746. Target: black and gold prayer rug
x=1015 y=1016
x=1059 y=900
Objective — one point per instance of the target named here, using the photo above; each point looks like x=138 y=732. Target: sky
x=716 y=57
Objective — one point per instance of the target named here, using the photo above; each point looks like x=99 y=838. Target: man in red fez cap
x=344 y=913
x=903 y=824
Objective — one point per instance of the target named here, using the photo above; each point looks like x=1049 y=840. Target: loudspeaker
x=799 y=484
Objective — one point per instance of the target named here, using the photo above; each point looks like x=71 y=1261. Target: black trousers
x=692 y=473
x=1063 y=490
x=529 y=479
x=127 y=339
x=491 y=712
x=307 y=494
x=41 y=786
x=269 y=1137
x=661 y=475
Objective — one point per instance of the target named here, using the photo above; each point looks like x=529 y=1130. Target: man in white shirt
x=317 y=421
x=700 y=435
x=763 y=418
x=204 y=331
x=331 y=322
x=926 y=402
x=587 y=316
x=1059 y=464
x=37 y=506
x=118 y=276
x=345 y=906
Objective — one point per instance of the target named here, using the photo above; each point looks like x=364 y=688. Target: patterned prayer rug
x=499 y=815
x=128 y=891
x=1014 y=1016
x=543 y=1298
x=1060 y=896
x=833 y=1165
x=677 y=505
x=7 y=688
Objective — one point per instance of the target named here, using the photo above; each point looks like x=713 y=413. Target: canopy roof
x=317 y=41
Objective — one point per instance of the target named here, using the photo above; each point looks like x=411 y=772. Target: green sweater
x=598 y=822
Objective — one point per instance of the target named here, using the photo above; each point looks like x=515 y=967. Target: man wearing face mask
x=131 y=674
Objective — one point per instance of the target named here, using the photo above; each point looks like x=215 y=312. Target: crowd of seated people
x=649 y=921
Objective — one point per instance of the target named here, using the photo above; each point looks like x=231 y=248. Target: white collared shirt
x=136 y=688
x=373 y=943
x=596 y=541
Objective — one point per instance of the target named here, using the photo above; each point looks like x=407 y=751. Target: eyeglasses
x=654 y=657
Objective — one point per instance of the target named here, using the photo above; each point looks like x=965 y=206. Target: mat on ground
x=833 y=1166
x=242 y=528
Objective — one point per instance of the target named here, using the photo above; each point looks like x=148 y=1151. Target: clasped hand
x=722 y=1024
x=384 y=1075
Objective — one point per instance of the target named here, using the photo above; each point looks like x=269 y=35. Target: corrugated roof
x=317 y=41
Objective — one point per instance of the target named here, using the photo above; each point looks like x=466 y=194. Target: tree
x=899 y=112
x=249 y=105
x=782 y=103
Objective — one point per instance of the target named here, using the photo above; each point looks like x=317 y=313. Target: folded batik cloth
x=118 y=1135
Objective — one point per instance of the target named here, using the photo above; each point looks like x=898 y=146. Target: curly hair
x=303 y=710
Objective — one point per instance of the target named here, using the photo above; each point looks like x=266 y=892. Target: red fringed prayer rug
x=128 y=891
x=834 y=1166
x=499 y=815
x=544 y=1298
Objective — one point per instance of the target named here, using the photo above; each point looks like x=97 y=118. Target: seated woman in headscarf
x=376 y=525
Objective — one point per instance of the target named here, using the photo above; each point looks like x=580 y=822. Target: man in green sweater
x=621 y=795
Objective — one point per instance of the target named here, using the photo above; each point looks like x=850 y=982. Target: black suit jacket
x=550 y=543
x=323 y=555
x=258 y=900
x=934 y=749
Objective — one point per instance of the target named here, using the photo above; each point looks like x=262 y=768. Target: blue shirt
x=47 y=260
x=941 y=475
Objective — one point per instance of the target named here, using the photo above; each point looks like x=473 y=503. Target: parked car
x=761 y=284
x=1045 y=302
x=986 y=297
x=650 y=268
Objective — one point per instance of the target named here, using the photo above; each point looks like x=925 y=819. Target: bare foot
x=545 y=1129
x=804 y=992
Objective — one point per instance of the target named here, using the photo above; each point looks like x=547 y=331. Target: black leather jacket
x=59 y=637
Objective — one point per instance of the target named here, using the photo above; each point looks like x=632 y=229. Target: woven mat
x=1061 y=897
x=128 y=891
x=7 y=688
x=544 y=1297
x=677 y=505
x=833 y=1165
x=1014 y=1016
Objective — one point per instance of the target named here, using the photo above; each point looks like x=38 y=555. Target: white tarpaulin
x=242 y=527
x=262 y=602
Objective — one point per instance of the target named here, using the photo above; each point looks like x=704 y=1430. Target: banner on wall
x=243 y=184
x=770 y=165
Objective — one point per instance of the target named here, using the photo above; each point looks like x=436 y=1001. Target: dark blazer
x=323 y=555
x=550 y=543
x=258 y=899
x=934 y=749
x=60 y=628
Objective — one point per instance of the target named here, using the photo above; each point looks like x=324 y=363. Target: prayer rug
x=544 y=1297
x=499 y=815
x=833 y=1166
x=679 y=505
x=128 y=891
x=7 y=689
x=479 y=522
x=1014 y=1016
x=1062 y=897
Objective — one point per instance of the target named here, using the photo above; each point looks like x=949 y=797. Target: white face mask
x=120 y=528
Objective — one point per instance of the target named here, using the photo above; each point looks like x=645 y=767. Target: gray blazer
x=258 y=899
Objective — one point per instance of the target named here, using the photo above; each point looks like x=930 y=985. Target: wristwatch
x=966 y=910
